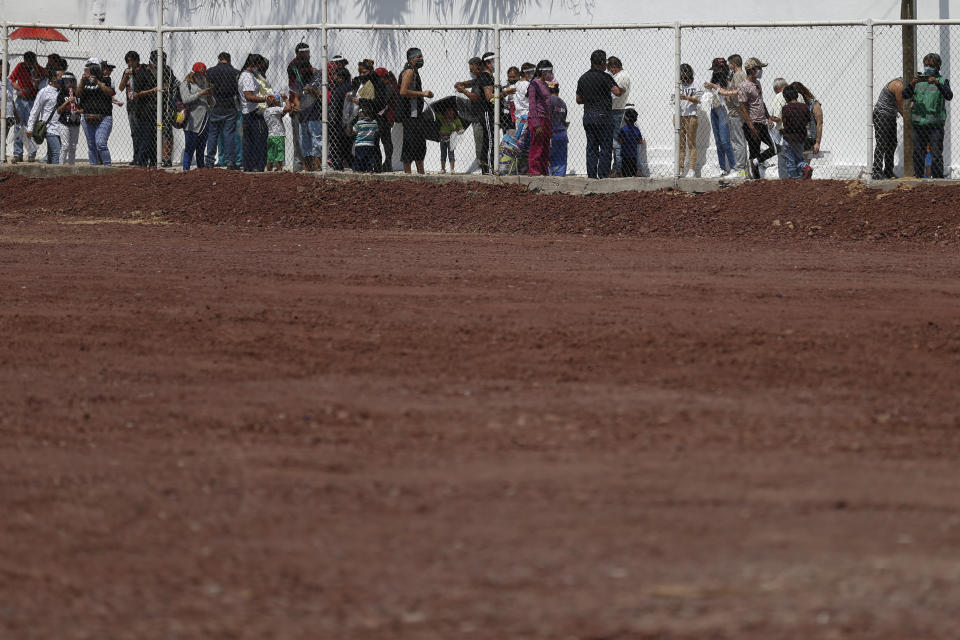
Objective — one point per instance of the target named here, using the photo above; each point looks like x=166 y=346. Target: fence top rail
x=489 y=27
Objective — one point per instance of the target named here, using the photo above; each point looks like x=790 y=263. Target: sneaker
x=755 y=168
x=166 y=164
x=31 y=158
x=16 y=159
x=807 y=172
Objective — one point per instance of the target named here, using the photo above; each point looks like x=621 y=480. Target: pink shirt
x=541 y=109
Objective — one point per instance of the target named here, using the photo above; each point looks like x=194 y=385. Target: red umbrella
x=37 y=33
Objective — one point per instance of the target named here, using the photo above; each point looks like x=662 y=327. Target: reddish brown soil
x=713 y=428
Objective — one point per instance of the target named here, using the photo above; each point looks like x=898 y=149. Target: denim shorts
x=311 y=138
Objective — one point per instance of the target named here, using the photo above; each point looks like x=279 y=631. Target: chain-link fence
x=842 y=68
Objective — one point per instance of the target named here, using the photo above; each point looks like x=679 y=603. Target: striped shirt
x=366 y=131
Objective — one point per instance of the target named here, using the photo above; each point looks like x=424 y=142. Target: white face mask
x=759 y=73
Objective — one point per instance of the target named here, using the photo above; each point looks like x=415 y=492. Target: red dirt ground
x=224 y=419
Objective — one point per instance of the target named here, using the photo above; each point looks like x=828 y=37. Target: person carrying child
x=449 y=124
x=629 y=138
x=276 y=131
x=366 y=141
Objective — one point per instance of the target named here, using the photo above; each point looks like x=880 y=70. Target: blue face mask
x=929 y=71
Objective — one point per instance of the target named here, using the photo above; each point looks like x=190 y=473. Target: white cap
x=90 y=61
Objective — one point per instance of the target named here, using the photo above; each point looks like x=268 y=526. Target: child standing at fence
x=276 y=131
x=689 y=97
x=449 y=125
x=629 y=138
x=363 y=152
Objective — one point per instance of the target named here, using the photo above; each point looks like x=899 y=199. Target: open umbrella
x=37 y=33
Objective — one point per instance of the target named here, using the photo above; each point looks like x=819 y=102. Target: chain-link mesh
x=104 y=133
x=647 y=57
x=832 y=62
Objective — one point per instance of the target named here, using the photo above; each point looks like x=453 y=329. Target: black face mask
x=417 y=65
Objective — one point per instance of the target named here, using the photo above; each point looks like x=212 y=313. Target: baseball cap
x=91 y=61
x=753 y=63
x=199 y=67
x=339 y=58
x=718 y=62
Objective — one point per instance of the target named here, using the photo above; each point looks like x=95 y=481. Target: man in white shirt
x=615 y=68
x=776 y=112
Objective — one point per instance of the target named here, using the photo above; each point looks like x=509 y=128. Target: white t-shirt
x=274 y=119
x=688 y=108
x=521 y=102
x=776 y=108
x=247 y=82
x=623 y=80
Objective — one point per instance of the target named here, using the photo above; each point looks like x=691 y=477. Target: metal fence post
x=3 y=99
x=868 y=112
x=160 y=97
x=496 y=99
x=676 y=114
x=324 y=110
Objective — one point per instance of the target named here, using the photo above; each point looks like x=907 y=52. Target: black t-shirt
x=93 y=100
x=144 y=79
x=594 y=87
x=482 y=80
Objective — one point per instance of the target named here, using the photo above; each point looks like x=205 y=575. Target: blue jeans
x=362 y=159
x=311 y=139
x=617 y=123
x=194 y=143
x=97 y=137
x=23 y=108
x=558 y=153
x=720 y=122
x=53 y=149
x=144 y=134
x=254 y=141
x=221 y=123
x=598 y=124
x=792 y=154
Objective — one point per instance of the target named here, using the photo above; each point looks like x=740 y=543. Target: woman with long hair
x=196 y=95
x=719 y=120
x=541 y=119
x=815 y=131
x=254 y=90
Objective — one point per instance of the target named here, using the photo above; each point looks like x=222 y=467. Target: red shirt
x=28 y=80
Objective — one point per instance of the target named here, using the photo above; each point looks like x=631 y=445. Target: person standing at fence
x=518 y=93
x=930 y=93
x=169 y=95
x=339 y=147
x=630 y=139
x=815 y=132
x=410 y=111
x=480 y=93
x=615 y=67
x=755 y=117
x=136 y=78
x=222 y=120
x=197 y=96
x=70 y=116
x=96 y=102
x=253 y=100
x=387 y=116
x=26 y=78
x=594 y=89
x=796 y=118
x=366 y=142
x=276 y=132
x=299 y=72
x=889 y=105
x=541 y=119
x=559 y=141
x=689 y=97
x=776 y=129
x=44 y=111
x=719 y=117
x=738 y=139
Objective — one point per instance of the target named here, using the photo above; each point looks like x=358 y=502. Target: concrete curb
x=571 y=185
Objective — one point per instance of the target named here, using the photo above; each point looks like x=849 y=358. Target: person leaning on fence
x=689 y=97
x=222 y=120
x=276 y=132
x=26 y=79
x=480 y=93
x=253 y=100
x=44 y=111
x=930 y=93
x=558 y=141
x=594 y=89
x=70 y=116
x=889 y=105
x=755 y=117
x=541 y=119
x=170 y=95
x=719 y=118
x=410 y=112
x=630 y=139
x=197 y=96
x=615 y=68
x=815 y=128
x=795 y=119
x=96 y=100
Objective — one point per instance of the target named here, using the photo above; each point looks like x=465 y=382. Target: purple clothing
x=541 y=109
x=795 y=117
